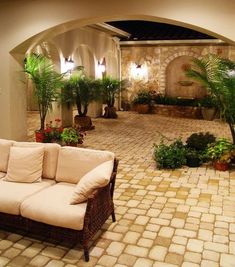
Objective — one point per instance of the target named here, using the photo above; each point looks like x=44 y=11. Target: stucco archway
x=39 y=20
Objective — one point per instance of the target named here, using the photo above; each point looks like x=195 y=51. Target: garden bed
x=177 y=111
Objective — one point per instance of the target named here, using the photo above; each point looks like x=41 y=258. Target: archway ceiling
x=146 y=30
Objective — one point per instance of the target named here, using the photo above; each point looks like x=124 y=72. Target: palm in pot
x=80 y=90
x=110 y=89
x=40 y=70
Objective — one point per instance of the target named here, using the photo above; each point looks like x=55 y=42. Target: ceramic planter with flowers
x=53 y=131
x=220 y=153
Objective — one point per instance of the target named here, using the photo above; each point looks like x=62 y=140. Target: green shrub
x=200 y=141
x=170 y=156
x=144 y=96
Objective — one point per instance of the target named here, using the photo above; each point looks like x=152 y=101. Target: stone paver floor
x=184 y=217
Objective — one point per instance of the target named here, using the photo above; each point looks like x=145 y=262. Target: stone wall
x=157 y=59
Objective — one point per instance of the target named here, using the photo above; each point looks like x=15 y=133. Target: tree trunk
x=110 y=112
x=231 y=127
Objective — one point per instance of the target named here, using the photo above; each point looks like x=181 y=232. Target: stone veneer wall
x=157 y=59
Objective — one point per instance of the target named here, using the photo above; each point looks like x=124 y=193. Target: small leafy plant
x=72 y=136
x=220 y=151
x=200 y=141
x=170 y=156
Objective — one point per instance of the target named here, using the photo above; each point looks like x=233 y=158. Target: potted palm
x=81 y=91
x=110 y=89
x=208 y=107
x=218 y=76
x=220 y=153
x=40 y=70
x=142 y=101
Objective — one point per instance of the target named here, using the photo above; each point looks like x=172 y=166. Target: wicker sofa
x=71 y=201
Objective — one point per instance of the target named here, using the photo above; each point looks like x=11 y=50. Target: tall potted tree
x=110 y=89
x=46 y=81
x=218 y=75
x=81 y=91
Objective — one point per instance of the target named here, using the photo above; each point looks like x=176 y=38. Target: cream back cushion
x=74 y=163
x=25 y=164
x=94 y=179
x=51 y=152
x=5 y=146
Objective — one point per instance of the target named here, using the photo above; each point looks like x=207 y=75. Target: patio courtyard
x=184 y=217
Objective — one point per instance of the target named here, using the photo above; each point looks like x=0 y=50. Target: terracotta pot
x=208 y=113
x=142 y=109
x=84 y=123
x=39 y=136
x=221 y=166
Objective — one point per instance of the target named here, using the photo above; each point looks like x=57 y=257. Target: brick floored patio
x=184 y=217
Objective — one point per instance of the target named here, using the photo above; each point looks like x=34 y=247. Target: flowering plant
x=52 y=133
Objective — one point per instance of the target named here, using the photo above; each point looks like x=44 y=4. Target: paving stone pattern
x=184 y=217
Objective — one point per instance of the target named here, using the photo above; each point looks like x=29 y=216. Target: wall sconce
x=102 y=66
x=69 y=64
x=139 y=71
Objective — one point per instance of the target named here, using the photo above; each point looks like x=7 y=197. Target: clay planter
x=221 y=166
x=39 y=136
x=208 y=113
x=142 y=108
x=84 y=123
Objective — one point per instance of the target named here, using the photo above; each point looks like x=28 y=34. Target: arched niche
x=178 y=84
x=84 y=56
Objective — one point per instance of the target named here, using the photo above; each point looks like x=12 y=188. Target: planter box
x=178 y=111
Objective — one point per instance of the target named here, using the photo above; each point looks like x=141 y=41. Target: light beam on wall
x=139 y=71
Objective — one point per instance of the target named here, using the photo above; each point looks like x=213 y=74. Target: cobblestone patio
x=184 y=217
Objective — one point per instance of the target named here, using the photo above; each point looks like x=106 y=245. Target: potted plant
x=220 y=153
x=46 y=83
x=142 y=101
x=72 y=136
x=200 y=141
x=193 y=158
x=81 y=91
x=52 y=133
x=110 y=89
x=170 y=156
x=217 y=75
x=208 y=107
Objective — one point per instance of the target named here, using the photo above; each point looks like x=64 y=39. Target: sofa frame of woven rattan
x=99 y=207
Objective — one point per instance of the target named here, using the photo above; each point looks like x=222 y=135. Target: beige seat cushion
x=50 y=157
x=25 y=164
x=94 y=179
x=12 y=194
x=51 y=206
x=74 y=163
x=5 y=146
x=2 y=174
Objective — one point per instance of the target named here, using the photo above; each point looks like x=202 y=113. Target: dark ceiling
x=146 y=30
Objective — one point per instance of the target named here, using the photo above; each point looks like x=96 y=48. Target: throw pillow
x=25 y=164
x=94 y=179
